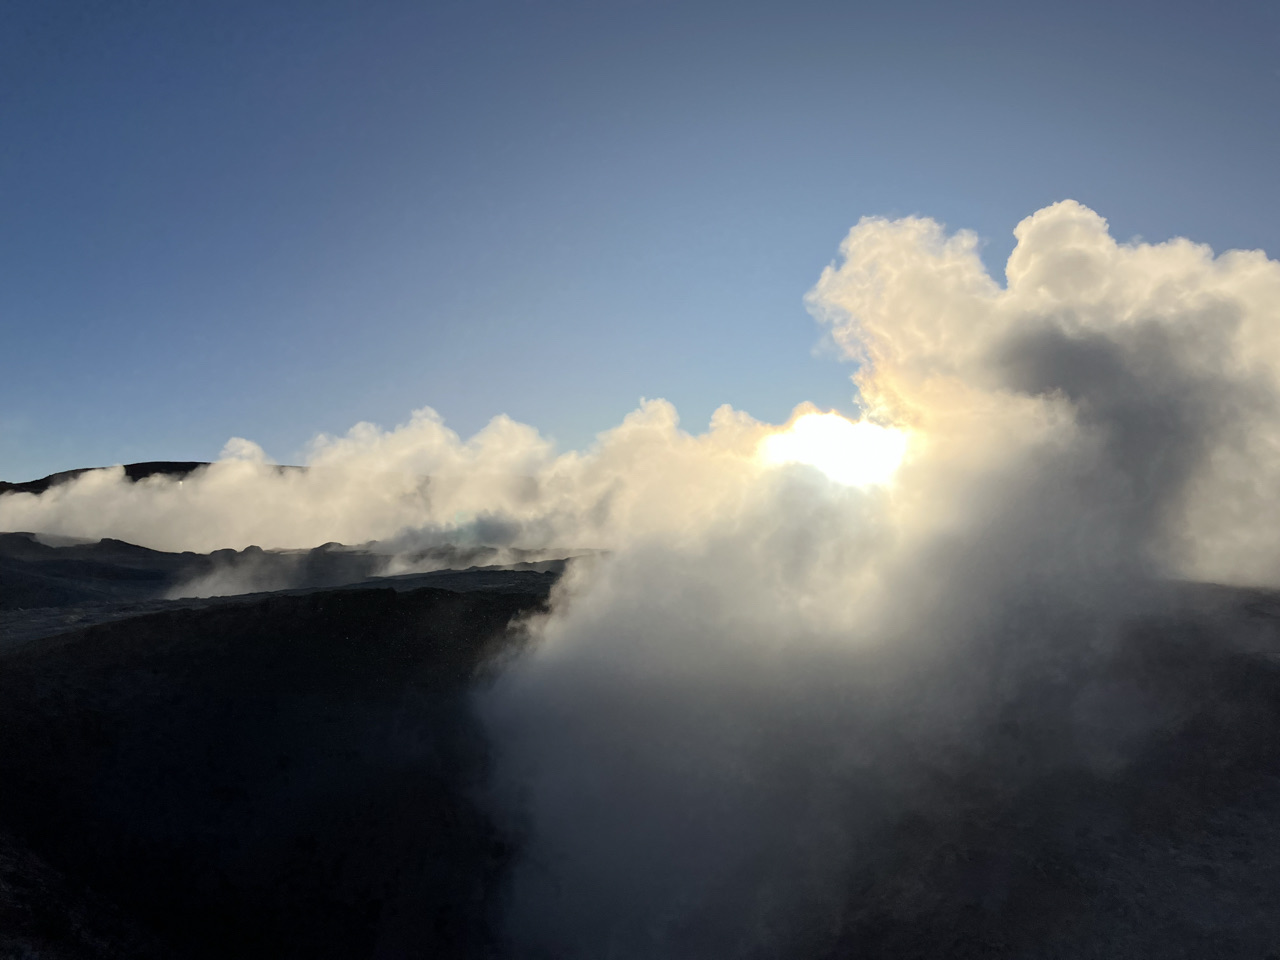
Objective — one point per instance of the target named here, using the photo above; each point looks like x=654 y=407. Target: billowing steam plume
x=1151 y=369
x=716 y=728
x=701 y=741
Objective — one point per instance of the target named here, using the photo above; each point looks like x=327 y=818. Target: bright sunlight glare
x=857 y=454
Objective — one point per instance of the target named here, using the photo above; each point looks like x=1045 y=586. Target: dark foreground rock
x=301 y=775
x=291 y=777
x=44 y=915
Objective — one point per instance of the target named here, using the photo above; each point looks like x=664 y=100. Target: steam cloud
x=704 y=735
x=715 y=727
x=1150 y=368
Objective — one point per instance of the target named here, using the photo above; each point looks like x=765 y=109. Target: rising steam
x=795 y=626
x=717 y=727
x=1155 y=365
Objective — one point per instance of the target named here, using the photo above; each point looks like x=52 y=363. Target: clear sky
x=272 y=219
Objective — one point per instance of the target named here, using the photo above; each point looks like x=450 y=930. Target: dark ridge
x=133 y=471
x=37 y=576
x=288 y=777
x=177 y=469
x=301 y=774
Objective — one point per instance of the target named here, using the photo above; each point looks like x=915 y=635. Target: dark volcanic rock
x=299 y=774
x=1155 y=834
x=34 y=574
x=45 y=916
x=291 y=777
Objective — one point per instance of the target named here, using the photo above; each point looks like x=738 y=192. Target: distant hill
x=133 y=471
x=35 y=574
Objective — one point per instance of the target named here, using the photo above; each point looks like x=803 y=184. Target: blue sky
x=275 y=219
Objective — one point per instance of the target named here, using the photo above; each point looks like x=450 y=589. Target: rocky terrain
x=291 y=775
x=52 y=572
x=301 y=774
x=1168 y=848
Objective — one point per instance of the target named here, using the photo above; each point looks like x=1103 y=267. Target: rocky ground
x=39 y=572
x=1170 y=850
x=287 y=776
x=300 y=774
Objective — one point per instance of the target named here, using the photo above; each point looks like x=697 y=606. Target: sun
x=854 y=453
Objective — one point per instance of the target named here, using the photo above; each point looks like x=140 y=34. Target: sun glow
x=854 y=453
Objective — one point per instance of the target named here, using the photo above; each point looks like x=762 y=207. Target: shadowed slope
x=299 y=776
x=290 y=777
x=1167 y=844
